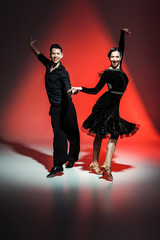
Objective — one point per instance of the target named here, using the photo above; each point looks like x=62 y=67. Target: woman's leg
x=96 y=150
x=111 y=146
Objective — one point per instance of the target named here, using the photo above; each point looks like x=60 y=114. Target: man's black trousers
x=65 y=127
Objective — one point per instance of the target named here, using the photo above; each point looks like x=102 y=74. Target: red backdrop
x=85 y=42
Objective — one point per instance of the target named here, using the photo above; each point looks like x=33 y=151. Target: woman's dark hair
x=55 y=45
x=109 y=54
x=113 y=50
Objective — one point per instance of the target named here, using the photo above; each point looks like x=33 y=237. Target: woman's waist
x=116 y=92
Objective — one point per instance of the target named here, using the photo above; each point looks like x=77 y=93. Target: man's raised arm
x=32 y=47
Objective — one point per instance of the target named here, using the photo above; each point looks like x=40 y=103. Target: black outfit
x=104 y=120
x=63 y=114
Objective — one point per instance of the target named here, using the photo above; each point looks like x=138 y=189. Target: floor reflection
x=81 y=213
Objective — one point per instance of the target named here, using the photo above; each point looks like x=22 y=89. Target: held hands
x=126 y=30
x=74 y=90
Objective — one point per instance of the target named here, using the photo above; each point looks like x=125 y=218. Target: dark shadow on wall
x=18 y=21
x=22 y=19
x=141 y=17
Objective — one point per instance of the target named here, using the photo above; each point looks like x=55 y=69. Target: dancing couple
x=103 y=122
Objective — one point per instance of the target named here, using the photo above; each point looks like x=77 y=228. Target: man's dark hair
x=55 y=45
x=113 y=50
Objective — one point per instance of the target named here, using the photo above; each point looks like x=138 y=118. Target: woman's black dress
x=104 y=120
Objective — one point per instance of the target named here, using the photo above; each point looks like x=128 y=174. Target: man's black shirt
x=57 y=82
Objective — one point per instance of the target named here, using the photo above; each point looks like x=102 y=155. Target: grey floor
x=78 y=204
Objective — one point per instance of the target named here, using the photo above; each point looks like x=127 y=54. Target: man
x=62 y=110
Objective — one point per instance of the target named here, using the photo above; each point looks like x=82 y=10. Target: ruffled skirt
x=105 y=121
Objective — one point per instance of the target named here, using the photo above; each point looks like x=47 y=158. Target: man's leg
x=73 y=136
x=60 y=141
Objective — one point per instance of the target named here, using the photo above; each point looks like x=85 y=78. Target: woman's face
x=115 y=59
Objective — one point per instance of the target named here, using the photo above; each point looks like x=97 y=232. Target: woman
x=104 y=120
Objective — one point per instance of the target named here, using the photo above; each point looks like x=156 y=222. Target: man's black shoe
x=54 y=171
x=70 y=164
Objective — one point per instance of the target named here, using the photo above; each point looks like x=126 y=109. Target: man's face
x=56 y=55
x=115 y=59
